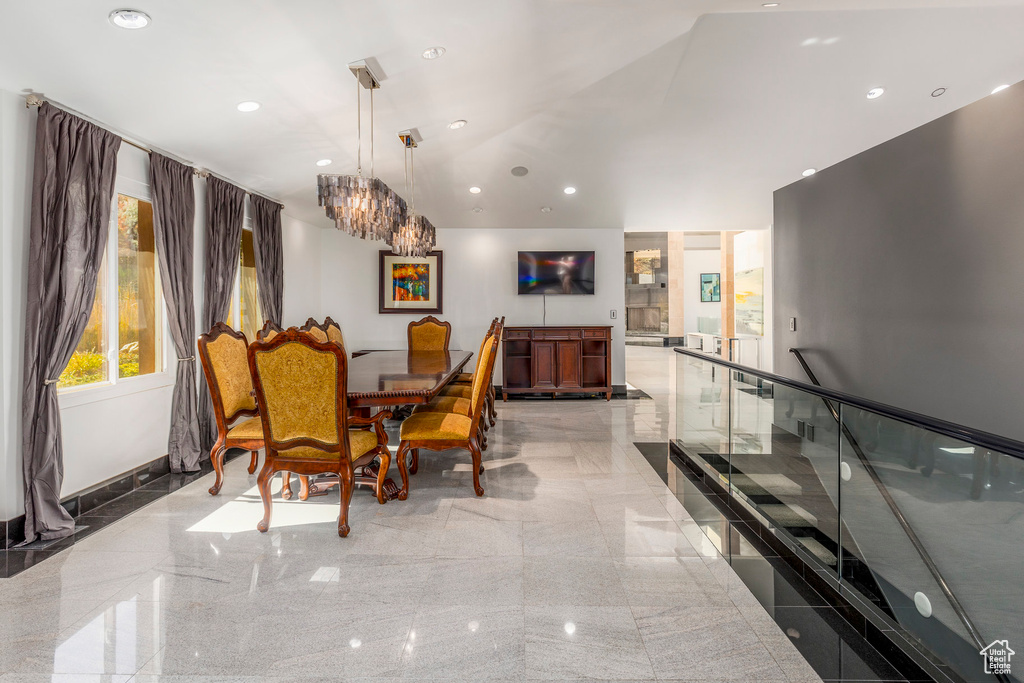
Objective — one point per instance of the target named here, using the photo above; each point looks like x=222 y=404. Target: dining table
x=386 y=379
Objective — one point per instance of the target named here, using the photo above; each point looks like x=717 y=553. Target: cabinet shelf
x=557 y=360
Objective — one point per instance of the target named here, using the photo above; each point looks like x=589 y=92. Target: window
x=127 y=312
x=245 y=303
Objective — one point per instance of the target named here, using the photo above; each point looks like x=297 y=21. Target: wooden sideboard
x=557 y=360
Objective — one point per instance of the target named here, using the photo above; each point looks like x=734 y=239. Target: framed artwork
x=710 y=287
x=750 y=302
x=411 y=285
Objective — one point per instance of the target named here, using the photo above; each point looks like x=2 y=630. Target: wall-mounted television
x=556 y=272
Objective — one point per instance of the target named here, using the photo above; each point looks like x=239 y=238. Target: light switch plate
x=792 y=324
x=615 y=314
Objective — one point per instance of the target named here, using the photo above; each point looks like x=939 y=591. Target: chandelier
x=363 y=207
x=416 y=235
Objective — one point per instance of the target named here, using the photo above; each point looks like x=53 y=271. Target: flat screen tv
x=556 y=272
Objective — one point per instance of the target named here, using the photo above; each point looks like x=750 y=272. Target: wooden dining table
x=384 y=379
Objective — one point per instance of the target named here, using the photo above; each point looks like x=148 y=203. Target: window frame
x=114 y=386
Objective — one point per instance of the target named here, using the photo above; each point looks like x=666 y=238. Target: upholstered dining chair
x=300 y=385
x=429 y=334
x=222 y=355
x=438 y=431
x=467 y=377
x=269 y=330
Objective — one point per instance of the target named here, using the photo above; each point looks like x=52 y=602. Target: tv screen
x=556 y=272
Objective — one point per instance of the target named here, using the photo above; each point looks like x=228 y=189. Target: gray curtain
x=72 y=187
x=174 y=208
x=225 y=210
x=268 y=245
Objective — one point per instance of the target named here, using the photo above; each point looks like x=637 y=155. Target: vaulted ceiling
x=665 y=114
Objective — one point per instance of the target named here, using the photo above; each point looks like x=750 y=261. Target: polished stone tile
x=552 y=580
x=483 y=538
x=474 y=643
x=494 y=581
x=573 y=642
x=573 y=539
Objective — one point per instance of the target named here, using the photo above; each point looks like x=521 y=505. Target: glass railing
x=922 y=519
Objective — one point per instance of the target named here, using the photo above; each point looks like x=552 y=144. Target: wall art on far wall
x=710 y=287
x=750 y=302
x=411 y=285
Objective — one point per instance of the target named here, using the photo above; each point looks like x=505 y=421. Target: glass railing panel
x=785 y=462
x=962 y=510
x=702 y=414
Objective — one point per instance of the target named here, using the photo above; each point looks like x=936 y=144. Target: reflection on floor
x=836 y=650
x=578 y=564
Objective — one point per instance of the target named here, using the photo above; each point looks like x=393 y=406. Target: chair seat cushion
x=463 y=378
x=360 y=441
x=446 y=404
x=459 y=390
x=251 y=428
x=436 y=427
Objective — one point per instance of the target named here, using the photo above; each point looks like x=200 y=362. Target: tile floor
x=577 y=564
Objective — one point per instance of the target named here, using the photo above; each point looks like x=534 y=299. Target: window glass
x=88 y=365
x=140 y=324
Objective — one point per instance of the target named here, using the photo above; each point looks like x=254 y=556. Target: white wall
x=695 y=262
x=479 y=283
x=106 y=430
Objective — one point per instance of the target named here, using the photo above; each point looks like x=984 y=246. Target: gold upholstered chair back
x=482 y=376
x=222 y=355
x=300 y=385
x=429 y=334
x=334 y=332
x=269 y=330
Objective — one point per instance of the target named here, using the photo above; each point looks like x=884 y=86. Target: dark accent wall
x=904 y=267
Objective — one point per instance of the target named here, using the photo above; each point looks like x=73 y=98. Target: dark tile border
x=863 y=615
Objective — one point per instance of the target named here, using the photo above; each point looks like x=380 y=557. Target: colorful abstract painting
x=410 y=281
x=710 y=287
x=750 y=302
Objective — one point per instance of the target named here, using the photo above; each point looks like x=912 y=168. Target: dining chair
x=438 y=431
x=429 y=334
x=300 y=385
x=269 y=330
x=222 y=355
x=467 y=377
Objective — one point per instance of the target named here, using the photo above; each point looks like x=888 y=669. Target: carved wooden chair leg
x=253 y=460
x=403 y=469
x=217 y=460
x=286 y=485
x=474 y=449
x=263 y=481
x=303 y=487
x=346 y=484
x=382 y=474
x=491 y=410
x=415 y=467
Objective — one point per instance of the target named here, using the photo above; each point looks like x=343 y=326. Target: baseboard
x=84 y=501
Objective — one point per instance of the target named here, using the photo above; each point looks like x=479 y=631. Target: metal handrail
x=894 y=507
x=975 y=437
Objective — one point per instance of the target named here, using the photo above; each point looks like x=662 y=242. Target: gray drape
x=268 y=248
x=225 y=210
x=72 y=187
x=174 y=208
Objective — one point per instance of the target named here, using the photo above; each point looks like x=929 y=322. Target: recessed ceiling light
x=129 y=18
x=324 y=162
x=569 y=190
x=519 y=171
x=433 y=52
x=938 y=92
x=248 y=106
x=875 y=93
x=809 y=172
x=477 y=209
x=1001 y=88
x=545 y=209
x=771 y=4
x=474 y=190
x=455 y=125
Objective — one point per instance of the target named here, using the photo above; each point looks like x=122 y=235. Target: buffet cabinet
x=556 y=360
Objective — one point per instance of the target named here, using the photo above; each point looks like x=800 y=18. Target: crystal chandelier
x=416 y=235
x=364 y=207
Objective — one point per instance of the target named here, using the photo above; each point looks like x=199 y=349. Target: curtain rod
x=33 y=100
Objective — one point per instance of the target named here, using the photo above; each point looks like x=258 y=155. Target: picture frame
x=409 y=285
x=710 y=287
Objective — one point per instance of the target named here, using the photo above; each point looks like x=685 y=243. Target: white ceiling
x=666 y=114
